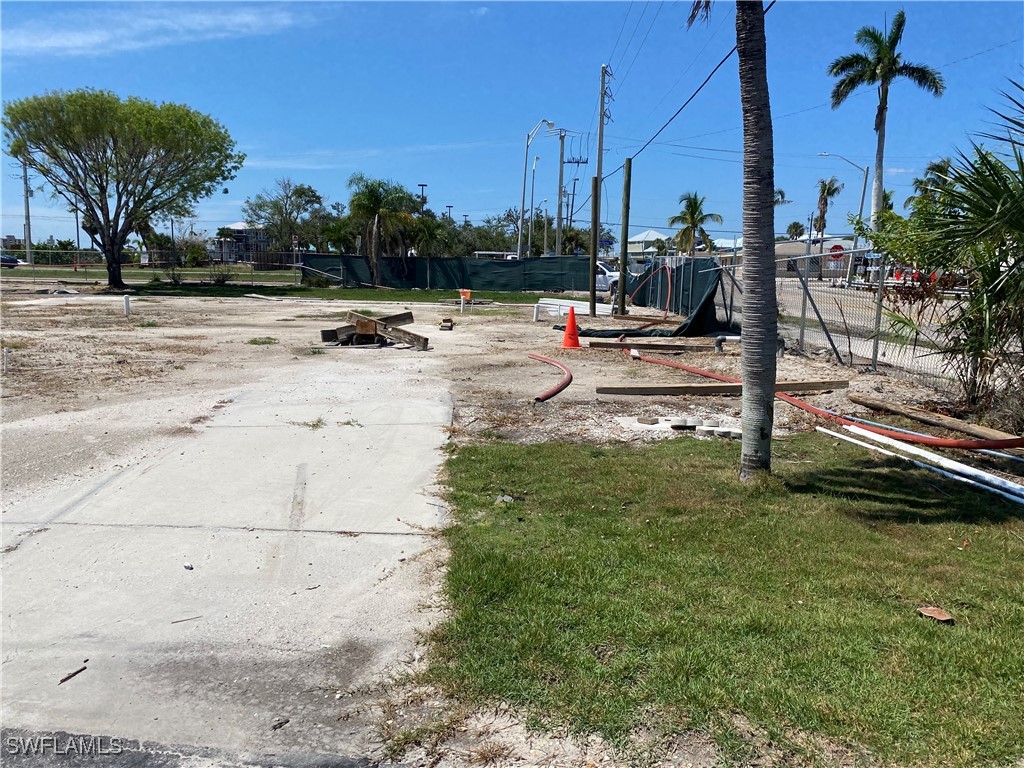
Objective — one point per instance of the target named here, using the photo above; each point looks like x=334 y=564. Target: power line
x=632 y=35
x=641 y=46
x=622 y=27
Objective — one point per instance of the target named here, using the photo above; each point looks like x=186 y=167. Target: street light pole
x=526 y=165
x=863 y=190
x=423 y=197
x=533 y=179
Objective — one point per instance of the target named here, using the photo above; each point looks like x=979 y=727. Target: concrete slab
x=303 y=544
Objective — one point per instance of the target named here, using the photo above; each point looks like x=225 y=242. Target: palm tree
x=385 y=207
x=933 y=183
x=429 y=234
x=828 y=189
x=780 y=198
x=880 y=65
x=692 y=220
x=795 y=230
x=760 y=306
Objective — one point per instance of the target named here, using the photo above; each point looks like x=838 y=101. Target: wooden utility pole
x=627 y=172
x=28 y=217
x=602 y=111
x=595 y=227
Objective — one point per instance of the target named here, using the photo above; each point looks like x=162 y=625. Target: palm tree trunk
x=760 y=312
x=878 y=183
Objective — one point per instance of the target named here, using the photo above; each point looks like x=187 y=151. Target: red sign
x=836 y=252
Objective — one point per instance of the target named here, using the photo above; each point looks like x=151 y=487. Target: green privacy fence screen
x=680 y=289
x=569 y=273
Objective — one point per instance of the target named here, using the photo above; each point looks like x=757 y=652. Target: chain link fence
x=832 y=304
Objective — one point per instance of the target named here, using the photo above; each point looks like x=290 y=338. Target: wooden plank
x=934 y=419
x=652 y=346
x=402 y=318
x=649 y=320
x=718 y=388
x=395 y=334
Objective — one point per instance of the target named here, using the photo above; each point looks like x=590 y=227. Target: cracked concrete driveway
x=266 y=559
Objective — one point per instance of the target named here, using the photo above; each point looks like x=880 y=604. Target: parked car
x=607 y=279
x=9 y=261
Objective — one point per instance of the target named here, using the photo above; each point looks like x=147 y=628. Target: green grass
x=262 y=341
x=649 y=586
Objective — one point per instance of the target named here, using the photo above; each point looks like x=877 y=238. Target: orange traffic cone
x=571 y=339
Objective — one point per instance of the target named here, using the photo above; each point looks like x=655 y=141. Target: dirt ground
x=87 y=390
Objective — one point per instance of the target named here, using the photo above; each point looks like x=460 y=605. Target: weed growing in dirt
x=349 y=423
x=262 y=341
x=316 y=350
x=317 y=423
x=148 y=324
x=628 y=581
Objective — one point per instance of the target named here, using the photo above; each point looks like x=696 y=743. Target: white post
x=127 y=306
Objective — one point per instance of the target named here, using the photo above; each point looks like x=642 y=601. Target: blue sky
x=445 y=93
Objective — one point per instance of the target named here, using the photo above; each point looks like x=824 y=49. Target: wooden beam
x=652 y=346
x=718 y=388
x=934 y=419
x=389 y=331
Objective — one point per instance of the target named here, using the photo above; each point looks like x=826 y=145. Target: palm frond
x=899 y=21
x=926 y=78
x=842 y=89
x=700 y=9
x=872 y=39
x=849 y=64
x=1013 y=119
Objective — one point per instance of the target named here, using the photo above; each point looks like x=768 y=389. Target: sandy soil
x=88 y=390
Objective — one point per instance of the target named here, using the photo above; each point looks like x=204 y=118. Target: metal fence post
x=803 y=312
x=879 y=296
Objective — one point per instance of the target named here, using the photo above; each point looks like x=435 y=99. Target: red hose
x=668 y=299
x=565 y=382
x=938 y=442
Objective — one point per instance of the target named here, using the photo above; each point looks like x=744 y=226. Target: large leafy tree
x=760 y=306
x=880 y=64
x=120 y=162
x=692 y=220
x=284 y=213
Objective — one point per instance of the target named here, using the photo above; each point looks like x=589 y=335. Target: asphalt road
x=239 y=579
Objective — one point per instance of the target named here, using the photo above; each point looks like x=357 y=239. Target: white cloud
x=85 y=31
x=898 y=171
x=483 y=10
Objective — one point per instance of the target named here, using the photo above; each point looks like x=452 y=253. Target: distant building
x=245 y=242
x=641 y=247
x=12 y=241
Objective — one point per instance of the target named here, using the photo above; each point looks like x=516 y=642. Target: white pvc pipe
x=127 y=306
x=953 y=466
x=922 y=465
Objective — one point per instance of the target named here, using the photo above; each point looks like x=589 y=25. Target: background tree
x=760 y=306
x=880 y=65
x=385 y=210
x=780 y=198
x=692 y=219
x=118 y=161
x=285 y=212
x=795 y=230
x=828 y=190
x=932 y=183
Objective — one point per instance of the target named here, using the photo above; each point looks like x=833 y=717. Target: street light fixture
x=526 y=162
x=423 y=197
x=863 y=191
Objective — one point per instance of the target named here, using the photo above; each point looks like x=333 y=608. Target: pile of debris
x=363 y=331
